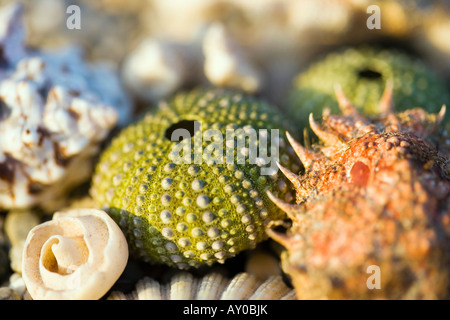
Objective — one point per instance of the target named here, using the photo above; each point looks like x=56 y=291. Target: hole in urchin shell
x=369 y=74
x=182 y=129
x=359 y=174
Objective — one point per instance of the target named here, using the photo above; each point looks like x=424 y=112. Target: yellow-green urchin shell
x=362 y=73
x=188 y=214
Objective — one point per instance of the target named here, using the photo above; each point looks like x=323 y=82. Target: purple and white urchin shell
x=54 y=112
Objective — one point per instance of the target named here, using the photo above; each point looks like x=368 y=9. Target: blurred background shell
x=363 y=73
x=280 y=37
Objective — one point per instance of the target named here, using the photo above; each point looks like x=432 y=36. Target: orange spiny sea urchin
x=375 y=193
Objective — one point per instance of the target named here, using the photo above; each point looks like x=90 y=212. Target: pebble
x=17 y=284
x=17 y=226
x=262 y=264
x=7 y=293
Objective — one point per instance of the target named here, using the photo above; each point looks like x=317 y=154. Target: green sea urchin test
x=362 y=75
x=189 y=201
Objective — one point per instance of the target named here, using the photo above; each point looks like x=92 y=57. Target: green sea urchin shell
x=185 y=214
x=362 y=74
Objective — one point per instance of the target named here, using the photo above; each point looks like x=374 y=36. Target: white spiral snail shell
x=79 y=254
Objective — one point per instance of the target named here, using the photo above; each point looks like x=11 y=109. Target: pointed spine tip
x=441 y=114
x=346 y=106
x=386 y=101
x=282 y=239
x=290 y=209
x=314 y=126
x=305 y=156
x=295 y=179
x=327 y=137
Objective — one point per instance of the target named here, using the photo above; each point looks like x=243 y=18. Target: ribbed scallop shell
x=213 y=286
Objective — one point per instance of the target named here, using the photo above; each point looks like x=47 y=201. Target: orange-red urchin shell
x=377 y=192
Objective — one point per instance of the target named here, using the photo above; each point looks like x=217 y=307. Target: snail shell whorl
x=78 y=255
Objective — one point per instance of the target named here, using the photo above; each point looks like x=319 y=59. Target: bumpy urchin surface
x=362 y=73
x=374 y=193
x=188 y=214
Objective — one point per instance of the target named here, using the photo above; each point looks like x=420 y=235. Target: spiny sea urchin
x=375 y=194
x=362 y=73
x=204 y=208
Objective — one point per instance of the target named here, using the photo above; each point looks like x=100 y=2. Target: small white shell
x=240 y=287
x=148 y=289
x=213 y=286
x=156 y=68
x=79 y=254
x=226 y=64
